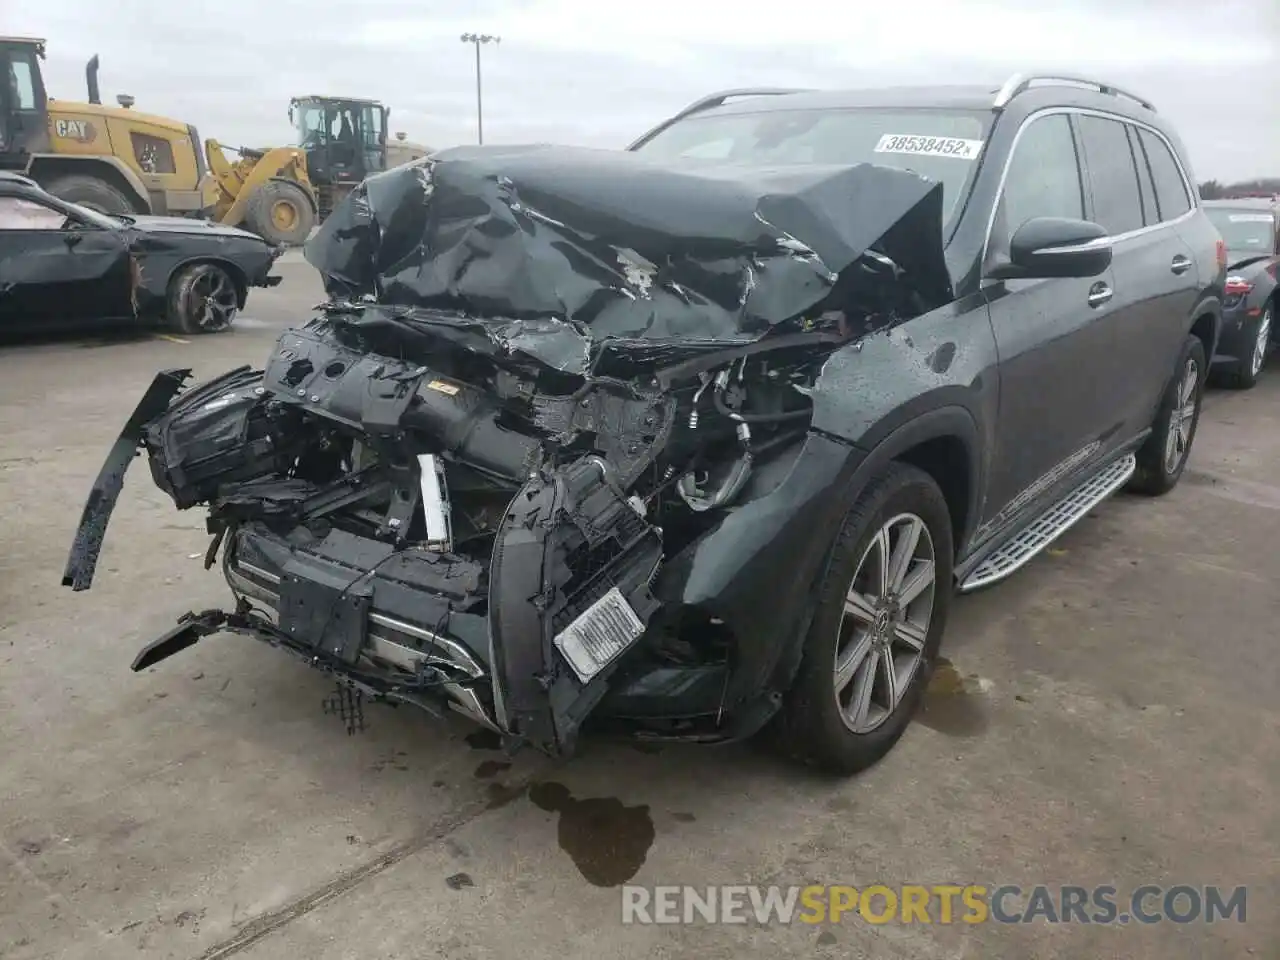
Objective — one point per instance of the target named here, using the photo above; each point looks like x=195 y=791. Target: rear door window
x=1171 y=188
x=1150 y=209
x=1113 y=175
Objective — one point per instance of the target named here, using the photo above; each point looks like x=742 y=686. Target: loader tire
x=281 y=212
x=92 y=193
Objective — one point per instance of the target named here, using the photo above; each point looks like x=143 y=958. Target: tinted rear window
x=1244 y=230
x=1171 y=189
x=940 y=145
x=1113 y=176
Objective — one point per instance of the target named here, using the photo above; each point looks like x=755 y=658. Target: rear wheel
x=881 y=615
x=92 y=193
x=203 y=299
x=1163 y=457
x=281 y=212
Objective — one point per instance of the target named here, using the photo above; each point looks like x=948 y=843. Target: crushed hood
x=555 y=250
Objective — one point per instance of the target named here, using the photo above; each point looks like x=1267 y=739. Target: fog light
x=599 y=635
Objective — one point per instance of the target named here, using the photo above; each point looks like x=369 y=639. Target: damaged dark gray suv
x=699 y=437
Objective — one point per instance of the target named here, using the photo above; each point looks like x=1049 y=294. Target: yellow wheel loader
x=114 y=159
x=267 y=191
x=121 y=161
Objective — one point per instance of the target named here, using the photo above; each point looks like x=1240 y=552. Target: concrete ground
x=1110 y=717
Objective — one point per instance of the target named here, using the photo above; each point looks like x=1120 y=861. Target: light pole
x=477 y=39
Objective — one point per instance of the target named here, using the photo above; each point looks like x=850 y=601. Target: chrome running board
x=1019 y=549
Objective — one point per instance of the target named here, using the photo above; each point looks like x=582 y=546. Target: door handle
x=72 y=239
x=1180 y=264
x=1099 y=294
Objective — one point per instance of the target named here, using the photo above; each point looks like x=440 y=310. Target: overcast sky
x=600 y=72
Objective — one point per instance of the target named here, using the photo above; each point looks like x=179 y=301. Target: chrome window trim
x=1088 y=111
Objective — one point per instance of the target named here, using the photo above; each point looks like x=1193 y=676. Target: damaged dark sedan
x=692 y=439
x=64 y=266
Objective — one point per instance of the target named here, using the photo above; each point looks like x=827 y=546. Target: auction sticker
x=957 y=147
x=1251 y=218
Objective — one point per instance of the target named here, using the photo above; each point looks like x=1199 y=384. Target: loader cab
x=345 y=139
x=24 y=118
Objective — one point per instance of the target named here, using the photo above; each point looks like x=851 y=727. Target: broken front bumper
x=527 y=639
x=399 y=623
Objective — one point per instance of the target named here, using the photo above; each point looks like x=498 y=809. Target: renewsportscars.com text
x=939 y=903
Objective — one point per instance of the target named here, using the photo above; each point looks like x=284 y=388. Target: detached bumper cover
x=83 y=560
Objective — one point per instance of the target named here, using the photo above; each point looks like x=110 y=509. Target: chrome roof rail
x=714 y=100
x=1021 y=82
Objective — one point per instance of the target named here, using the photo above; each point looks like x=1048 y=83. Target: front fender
x=756 y=570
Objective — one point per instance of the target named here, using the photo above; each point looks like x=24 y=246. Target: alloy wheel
x=212 y=300
x=1183 y=417
x=1261 y=343
x=885 y=623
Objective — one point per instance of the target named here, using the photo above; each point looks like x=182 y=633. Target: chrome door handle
x=1099 y=294
x=1180 y=264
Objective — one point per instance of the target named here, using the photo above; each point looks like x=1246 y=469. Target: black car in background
x=1251 y=230
x=65 y=266
x=701 y=437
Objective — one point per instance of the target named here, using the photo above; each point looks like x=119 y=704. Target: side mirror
x=1055 y=247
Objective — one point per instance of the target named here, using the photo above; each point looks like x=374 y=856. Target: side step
x=1051 y=524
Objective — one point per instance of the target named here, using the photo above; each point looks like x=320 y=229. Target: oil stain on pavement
x=953 y=704
x=489 y=769
x=607 y=840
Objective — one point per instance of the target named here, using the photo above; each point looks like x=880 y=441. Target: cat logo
x=81 y=130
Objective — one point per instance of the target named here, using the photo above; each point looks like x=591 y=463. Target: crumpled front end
x=539 y=510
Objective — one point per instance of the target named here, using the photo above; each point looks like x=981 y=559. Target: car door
x=55 y=270
x=1052 y=334
x=1156 y=275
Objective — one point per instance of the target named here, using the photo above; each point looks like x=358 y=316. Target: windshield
x=1245 y=231
x=309 y=120
x=942 y=145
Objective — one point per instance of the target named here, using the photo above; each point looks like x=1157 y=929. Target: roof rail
x=714 y=100
x=1021 y=82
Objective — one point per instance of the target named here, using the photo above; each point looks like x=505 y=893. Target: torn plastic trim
x=87 y=543
x=570 y=539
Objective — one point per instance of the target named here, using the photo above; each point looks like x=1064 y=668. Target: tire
x=203 y=298
x=1163 y=457
x=281 y=212
x=1245 y=375
x=812 y=725
x=92 y=193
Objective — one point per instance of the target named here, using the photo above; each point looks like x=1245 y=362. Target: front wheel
x=881 y=614
x=1163 y=457
x=203 y=299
